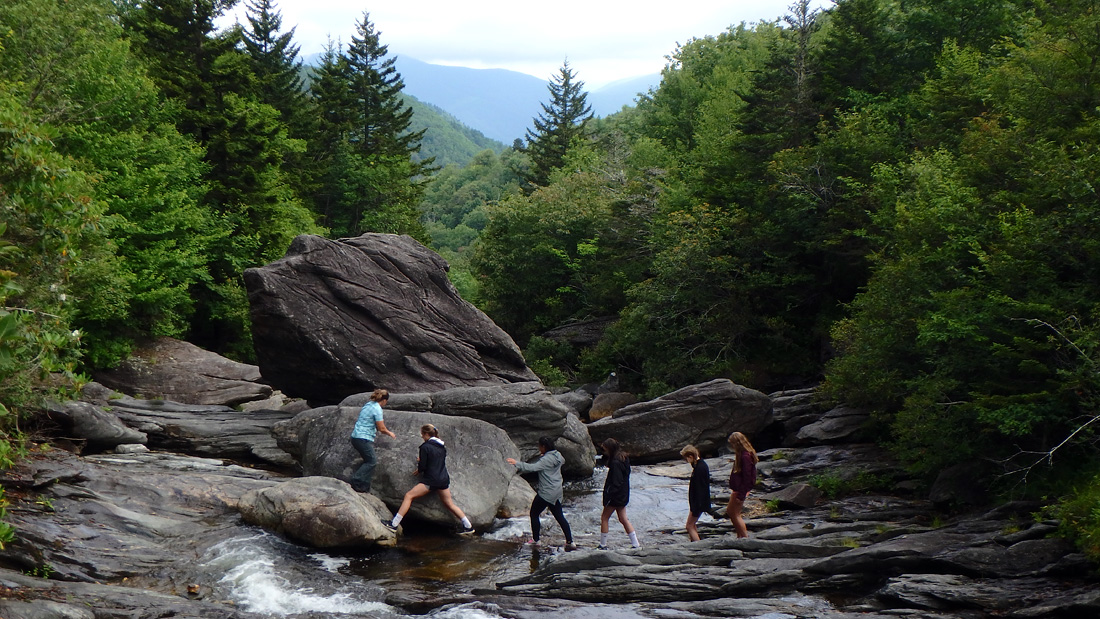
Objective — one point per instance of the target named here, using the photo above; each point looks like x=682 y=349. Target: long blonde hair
x=740 y=444
x=379 y=395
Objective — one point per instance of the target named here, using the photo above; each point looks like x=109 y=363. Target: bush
x=1080 y=515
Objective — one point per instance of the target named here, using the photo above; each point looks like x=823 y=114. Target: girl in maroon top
x=742 y=479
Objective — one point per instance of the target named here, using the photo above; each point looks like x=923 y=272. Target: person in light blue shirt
x=367 y=427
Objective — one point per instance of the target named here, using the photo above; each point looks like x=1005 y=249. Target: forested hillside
x=895 y=199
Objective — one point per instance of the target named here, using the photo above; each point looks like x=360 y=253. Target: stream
x=440 y=575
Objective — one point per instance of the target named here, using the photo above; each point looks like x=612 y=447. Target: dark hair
x=547 y=442
x=429 y=429
x=379 y=395
x=613 y=449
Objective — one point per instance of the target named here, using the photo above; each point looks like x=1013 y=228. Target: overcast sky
x=604 y=40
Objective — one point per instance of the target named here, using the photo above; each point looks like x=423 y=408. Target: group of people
x=432 y=470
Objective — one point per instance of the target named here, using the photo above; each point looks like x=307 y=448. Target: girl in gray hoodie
x=549 y=492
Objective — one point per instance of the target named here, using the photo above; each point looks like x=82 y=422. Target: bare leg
x=693 y=533
x=605 y=517
x=621 y=513
x=733 y=510
x=449 y=503
x=417 y=491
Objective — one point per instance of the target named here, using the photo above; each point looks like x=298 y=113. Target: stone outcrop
x=526 y=411
x=111 y=517
x=703 y=415
x=320 y=511
x=604 y=405
x=170 y=369
x=100 y=429
x=879 y=562
x=839 y=425
x=481 y=480
x=339 y=317
x=211 y=431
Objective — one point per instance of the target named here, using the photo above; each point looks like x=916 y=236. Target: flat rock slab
x=171 y=369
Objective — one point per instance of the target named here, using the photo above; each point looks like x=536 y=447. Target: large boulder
x=339 y=317
x=320 y=511
x=703 y=415
x=170 y=369
x=526 y=411
x=842 y=424
x=481 y=480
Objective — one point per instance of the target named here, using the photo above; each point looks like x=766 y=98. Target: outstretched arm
x=381 y=425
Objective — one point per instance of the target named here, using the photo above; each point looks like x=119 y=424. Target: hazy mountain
x=446 y=138
x=497 y=102
x=610 y=98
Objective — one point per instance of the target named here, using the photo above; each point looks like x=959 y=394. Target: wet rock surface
x=127 y=536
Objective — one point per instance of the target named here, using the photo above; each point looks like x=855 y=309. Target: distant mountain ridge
x=501 y=103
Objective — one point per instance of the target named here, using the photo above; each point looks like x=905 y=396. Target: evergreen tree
x=560 y=121
x=247 y=147
x=367 y=173
x=175 y=36
x=382 y=119
x=277 y=66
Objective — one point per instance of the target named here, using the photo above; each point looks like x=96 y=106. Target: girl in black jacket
x=431 y=466
x=698 y=489
x=616 y=492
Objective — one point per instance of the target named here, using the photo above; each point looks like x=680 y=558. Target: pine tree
x=247 y=146
x=366 y=170
x=276 y=64
x=176 y=37
x=563 y=119
x=382 y=118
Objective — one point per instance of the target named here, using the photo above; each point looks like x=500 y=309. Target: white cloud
x=603 y=40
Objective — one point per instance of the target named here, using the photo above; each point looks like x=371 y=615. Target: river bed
x=444 y=575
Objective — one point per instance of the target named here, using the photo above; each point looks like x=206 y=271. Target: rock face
x=170 y=369
x=879 y=561
x=214 y=431
x=320 y=511
x=526 y=411
x=480 y=478
x=839 y=425
x=335 y=318
x=604 y=405
x=703 y=415
x=100 y=428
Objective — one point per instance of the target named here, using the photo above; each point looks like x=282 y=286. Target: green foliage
x=366 y=175
x=49 y=234
x=555 y=255
x=1079 y=516
x=40 y=571
x=560 y=123
x=554 y=362
x=7 y=532
x=835 y=485
x=976 y=336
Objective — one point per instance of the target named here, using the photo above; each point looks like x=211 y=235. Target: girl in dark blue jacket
x=431 y=466
x=698 y=489
x=616 y=492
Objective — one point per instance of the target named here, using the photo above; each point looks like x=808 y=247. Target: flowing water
x=262 y=573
